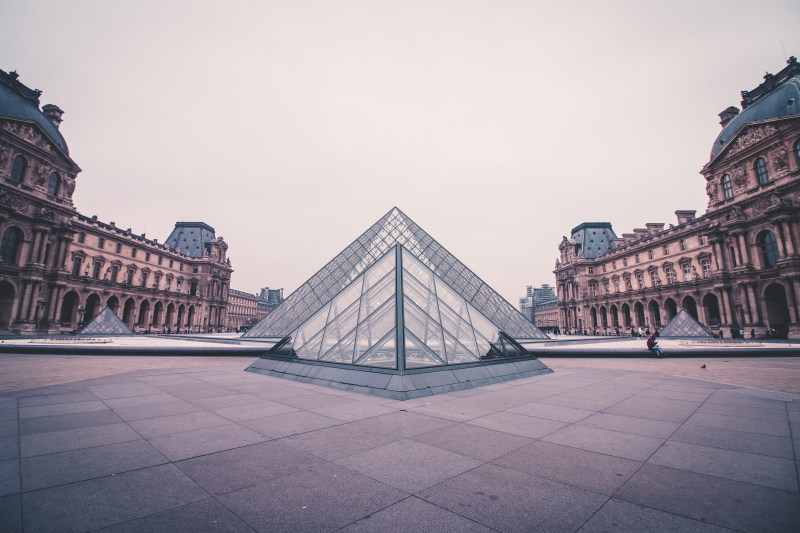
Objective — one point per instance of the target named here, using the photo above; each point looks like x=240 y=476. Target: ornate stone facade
x=736 y=267
x=246 y=309
x=59 y=268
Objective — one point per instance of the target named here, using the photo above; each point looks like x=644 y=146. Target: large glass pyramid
x=396 y=299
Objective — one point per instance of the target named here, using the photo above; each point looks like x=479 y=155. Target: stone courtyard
x=133 y=443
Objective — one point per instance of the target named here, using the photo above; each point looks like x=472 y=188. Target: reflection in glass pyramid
x=106 y=323
x=399 y=313
x=684 y=325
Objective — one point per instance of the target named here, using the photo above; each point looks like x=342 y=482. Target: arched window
x=797 y=150
x=10 y=245
x=761 y=171
x=18 y=169
x=727 y=188
x=769 y=248
x=54 y=185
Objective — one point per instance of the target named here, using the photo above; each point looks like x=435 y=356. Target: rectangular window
x=194 y=269
x=624 y=261
x=672 y=278
x=666 y=250
x=129 y=279
x=703 y=240
x=683 y=245
x=616 y=285
x=654 y=279
x=133 y=252
x=76 y=266
x=706 y=264
x=47 y=253
x=81 y=237
x=636 y=257
x=156 y=281
x=180 y=267
x=640 y=280
x=604 y=267
x=614 y=264
x=147 y=256
x=687 y=272
x=650 y=254
x=160 y=259
x=101 y=242
x=193 y=288
x=733 y=256
x=591 y=270
x=593 y=289
x=628 y=284
x=114 y=273
x=605 y=286
x=119 y=247
x=144 y=279
x=96 y=270
x=170 y=263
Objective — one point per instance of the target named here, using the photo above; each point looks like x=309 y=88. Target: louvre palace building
x=736 y=267
x=59 y=268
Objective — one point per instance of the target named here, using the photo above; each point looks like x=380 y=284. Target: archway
x=157 y=310
x=92 y=304
x=181 y=312
x=711 y=305
x=127 y=312
x=593 y=314
x=7 y=294
x=69 y=308
x=691 y=307
x=626 y=315
x=603 y=317
x=113 y=303
x=638 y=310
x=777 y=308
x=190 y=318
x=144 y=311
x=170 y=315
x=671 y=307
x=655 y=313
x=614 y=317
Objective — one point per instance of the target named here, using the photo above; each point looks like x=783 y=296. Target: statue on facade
x=711 y=190
x=780 y=158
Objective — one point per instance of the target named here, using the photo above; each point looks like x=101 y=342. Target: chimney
x=728 y=115
x=654 y=227
x=685 y=216
x=53 y=112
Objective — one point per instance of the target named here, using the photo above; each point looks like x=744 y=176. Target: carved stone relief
x=711 y=190
x=14 y=201
x=780 y=159
x=751 y=136
x=29 y=134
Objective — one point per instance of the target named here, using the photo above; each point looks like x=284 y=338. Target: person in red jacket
x=653 y=346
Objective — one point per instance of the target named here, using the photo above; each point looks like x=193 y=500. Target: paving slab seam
x=794 y=446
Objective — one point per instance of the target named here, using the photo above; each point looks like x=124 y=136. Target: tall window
x=761 y=171
x=616 y=284
x=727 y=188
x=654 y=279
x=8 y=249
x=628 y=285
x=687 y=272
x=671 y=276
x=640 y=279
x=101 y=242
x=114 y=273
x=592 y=288
x=76 y=266
x=797 y=150
x=54 y=185
x=769 y=248
x=650 y=254
x=96 y=270
x=706 y=264
x=129 y=279
x=18 y=170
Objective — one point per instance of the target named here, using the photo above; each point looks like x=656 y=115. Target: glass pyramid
x=106 y=323
x=684 y=325
x=396 y=299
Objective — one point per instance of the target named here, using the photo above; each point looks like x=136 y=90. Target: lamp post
x=81 y=311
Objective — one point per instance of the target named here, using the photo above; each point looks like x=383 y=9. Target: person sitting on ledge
x=653 y=346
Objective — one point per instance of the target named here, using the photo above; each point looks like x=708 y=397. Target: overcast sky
x=291 y=127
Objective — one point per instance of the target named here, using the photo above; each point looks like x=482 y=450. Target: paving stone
x=748 y=467
x=335 y=442
x=9 y=413
x=280 y=426
x=74 y=439
x=400 y=424
x=166 y=425
x=676 y=395
x=61 y=409
x=625 y=445
x=508 y=500
x=571 y=466
x=551 y=412
x=522 y=425
x=409 y=465
x=242 y=467
x=735 y=440
x=629 y=424
x=472 y=441
x=353 y=410
x=109 y=500
x=617 y=515
x=655 y=408
x=10 y=514
x=312 y=401
x=186 y=444
x=9 y=477
x=157 y=410
x=413 y=515
x=195 y=390
x=206 y=515
x=735 y=423
x=252 y=411
x=70 y=397
x=732 y=504
x=136 y=401
x=165 y=380
x=46 y=424
x=726 y=398
x=9 y=428
x=322 y=498
x=743 y=411
x=9 y=448
x=455 y=410
x=230 y=400
x=565 y=400
x=77 y=465
x=122 y=390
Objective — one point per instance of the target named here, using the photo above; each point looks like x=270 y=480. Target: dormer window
x=727 y=188
x=18 y=170
x=761 y=171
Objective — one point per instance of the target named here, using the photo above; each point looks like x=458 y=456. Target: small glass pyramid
x=106 y=323
x=684 y=325
x=396 y=299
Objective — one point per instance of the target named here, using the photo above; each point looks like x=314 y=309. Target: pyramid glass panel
x=684 y=325
x=106 y=323
x=355 y=308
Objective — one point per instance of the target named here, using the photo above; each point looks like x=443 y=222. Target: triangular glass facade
x=398 y=315
x=106 y=323
x=322 y=313
x=684 y=325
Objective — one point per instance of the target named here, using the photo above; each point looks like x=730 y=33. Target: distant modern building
x=59 y=268
x=735 y=267
x=540 y=306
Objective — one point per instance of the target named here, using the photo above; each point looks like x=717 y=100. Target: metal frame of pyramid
x=106 y=323
x=684 y=325
x=392 y=307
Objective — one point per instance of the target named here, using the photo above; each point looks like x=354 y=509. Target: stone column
x=32 y=251
x=726 y=307
x=59 y=302
x=32 y=300
x=745 y=254
x=779 y=238
x=22 y=310
x=52 y=301
x=790 y=300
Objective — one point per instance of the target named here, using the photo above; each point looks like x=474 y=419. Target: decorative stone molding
x=750 y=137
x=29 y=134
x=780 y=159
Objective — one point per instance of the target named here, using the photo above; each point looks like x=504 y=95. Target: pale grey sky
x=290 y=127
